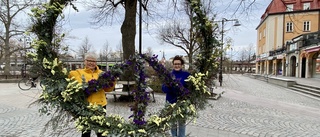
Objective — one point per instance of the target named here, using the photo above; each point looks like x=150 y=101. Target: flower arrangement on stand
x=64 y=99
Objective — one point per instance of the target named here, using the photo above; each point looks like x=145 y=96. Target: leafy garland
x=64 y=98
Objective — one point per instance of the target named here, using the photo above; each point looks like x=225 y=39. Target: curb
x=9 y=80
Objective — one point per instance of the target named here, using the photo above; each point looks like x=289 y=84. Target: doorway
x=293 y=61
x=303 y=67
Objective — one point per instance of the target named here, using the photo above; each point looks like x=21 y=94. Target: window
x=306 y=26
x=290 y=7
x=264 y=33
x=289 y=26
x=260 y=36
x=306 y=6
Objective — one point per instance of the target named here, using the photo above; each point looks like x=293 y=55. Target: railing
x=277 y=51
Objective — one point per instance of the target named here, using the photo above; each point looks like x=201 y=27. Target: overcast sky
x=78 y=23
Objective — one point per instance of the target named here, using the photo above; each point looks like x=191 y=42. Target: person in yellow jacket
x=91 y=71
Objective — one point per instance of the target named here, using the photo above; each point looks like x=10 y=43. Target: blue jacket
x=172 y=93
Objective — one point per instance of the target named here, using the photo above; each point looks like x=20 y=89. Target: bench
x=282 y=81
x=118 y=90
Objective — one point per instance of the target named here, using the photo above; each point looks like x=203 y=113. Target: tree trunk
x=128 y=30
x=7 y=66
x=190 y=55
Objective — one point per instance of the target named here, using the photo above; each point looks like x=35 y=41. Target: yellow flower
x=155 y=119
x=131 y=132
x=80 y=128
x=119 y=125
x=192 y=108
x=45 y=95
x=105 y=133
x=53 y=72
x=55 y=62
x=142 y=131
x=108 y=124
x=64 y=71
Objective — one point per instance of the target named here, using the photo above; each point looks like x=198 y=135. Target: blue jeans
x=178 y=129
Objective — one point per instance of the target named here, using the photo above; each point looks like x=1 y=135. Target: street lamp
x=222 y=33
x=140 y=27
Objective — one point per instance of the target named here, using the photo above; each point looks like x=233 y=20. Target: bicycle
x=28 y=83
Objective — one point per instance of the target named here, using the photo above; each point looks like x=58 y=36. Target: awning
x=313 y=50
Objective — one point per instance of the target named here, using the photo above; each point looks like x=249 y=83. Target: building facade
x=288 y=39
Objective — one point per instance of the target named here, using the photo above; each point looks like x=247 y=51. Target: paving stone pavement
x=249 y=107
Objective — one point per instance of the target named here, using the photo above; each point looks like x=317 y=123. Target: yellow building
x=282 y=33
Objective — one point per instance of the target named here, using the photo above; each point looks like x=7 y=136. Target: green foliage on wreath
x=64 y=98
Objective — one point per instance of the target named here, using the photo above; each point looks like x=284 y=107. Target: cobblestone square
x=249 y=107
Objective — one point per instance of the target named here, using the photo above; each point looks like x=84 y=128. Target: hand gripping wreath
x=64 y=98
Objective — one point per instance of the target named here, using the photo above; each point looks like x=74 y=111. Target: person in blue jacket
x=172 y=93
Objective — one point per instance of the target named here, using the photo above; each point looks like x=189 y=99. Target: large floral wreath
x=64 y=98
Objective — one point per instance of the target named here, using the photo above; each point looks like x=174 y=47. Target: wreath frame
x=63 y=98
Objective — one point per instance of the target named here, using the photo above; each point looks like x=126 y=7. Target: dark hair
x=177 y=57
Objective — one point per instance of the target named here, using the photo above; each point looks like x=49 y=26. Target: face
x=90 y=63
x=177 y=65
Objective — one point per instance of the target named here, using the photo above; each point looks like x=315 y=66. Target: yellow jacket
x=98 y=97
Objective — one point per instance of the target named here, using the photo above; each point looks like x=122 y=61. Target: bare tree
x=246 y=55
x=85 y=47
x=105 y=53
x=250 y=53
x=242 y=56
x=181 y=35
x=8 y=14
x=119 y=51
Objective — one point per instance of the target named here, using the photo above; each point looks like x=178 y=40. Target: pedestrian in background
x=178 y=128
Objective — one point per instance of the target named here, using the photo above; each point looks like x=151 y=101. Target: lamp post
x=140 y=26
x=222 y=33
